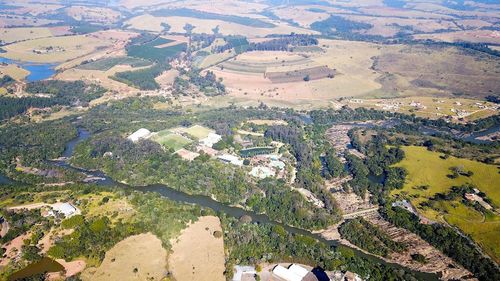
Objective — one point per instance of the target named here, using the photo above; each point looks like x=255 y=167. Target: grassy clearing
x=170 y=140
x=106 y=204
x=426 y=168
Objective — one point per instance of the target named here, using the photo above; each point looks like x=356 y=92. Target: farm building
x=210 y=140
x=67 y=209
x=294 y=273
x=228 y=158
x=139 y=134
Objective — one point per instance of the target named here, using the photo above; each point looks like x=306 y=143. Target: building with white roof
x=211 y=139
x=228 y=158
x=243 y=270
x=67 y=209
x=293 y=273
x=139 y=134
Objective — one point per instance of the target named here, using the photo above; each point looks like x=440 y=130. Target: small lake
x=38 y=71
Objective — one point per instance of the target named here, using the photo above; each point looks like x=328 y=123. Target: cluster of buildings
x=265 y=163
x=475 y=197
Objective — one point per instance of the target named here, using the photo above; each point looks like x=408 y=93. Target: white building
x=66 y=209
x=210 y=140
x=228 y=158
x=139 y=134
x=293 y=273
x=243 y=270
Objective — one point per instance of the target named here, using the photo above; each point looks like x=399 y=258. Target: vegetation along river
x=207 y=202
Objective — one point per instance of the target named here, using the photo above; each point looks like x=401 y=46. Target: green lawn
x=426 y=168
x=197 y=131
x=171 y=141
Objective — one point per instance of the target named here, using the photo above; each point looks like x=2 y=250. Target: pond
x=38 y=71
x=40 y=267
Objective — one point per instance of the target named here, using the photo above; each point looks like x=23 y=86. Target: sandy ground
x=138 y=257
x=197 y=254
x=71 y=269
x=12 y=249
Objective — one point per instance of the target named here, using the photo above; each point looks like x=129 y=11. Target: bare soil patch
x=197 y=253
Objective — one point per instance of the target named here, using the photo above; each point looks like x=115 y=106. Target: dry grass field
x=232 y=7
x=475 y=36
x=9 y=35
x=10 y=20
x=93 y=14
x=351 y=60
x=54 y=49
x=139 y=257
x=197 y=253
x=152 y=23
x=432 y=107
x=418 y=70
x=13 y=71
x=300 y=15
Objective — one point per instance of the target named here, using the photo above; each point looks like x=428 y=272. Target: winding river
x=208 y=202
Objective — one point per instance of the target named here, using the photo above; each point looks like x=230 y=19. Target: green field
x=170 y=140
x=197 y=131
x=152 y=52
x=107 y=63
x=426 y=168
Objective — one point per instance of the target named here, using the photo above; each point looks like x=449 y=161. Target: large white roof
x=139 y=134
x=299 y=270
x=286 y=274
